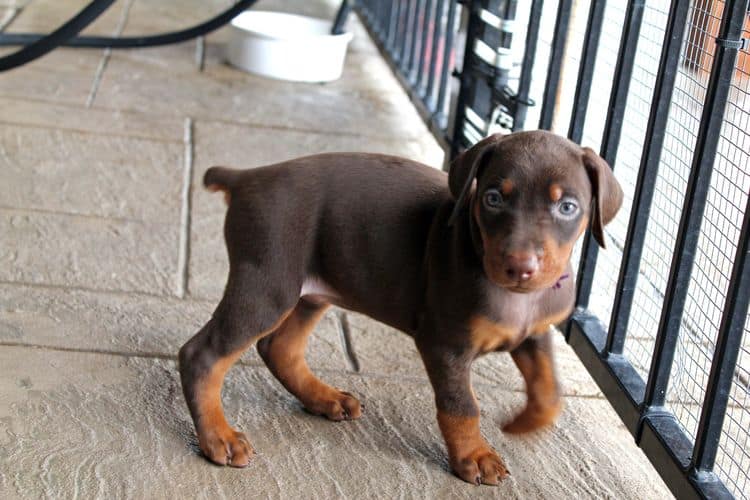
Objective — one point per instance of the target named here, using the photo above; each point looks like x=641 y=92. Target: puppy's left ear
x=465 y=168
x=607 y=193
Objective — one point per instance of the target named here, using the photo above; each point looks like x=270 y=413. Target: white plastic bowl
x=286 y=46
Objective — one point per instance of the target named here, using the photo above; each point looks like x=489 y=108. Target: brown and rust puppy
x=466 y=264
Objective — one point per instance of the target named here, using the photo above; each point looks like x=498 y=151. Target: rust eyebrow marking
x=507 y=186
x=555 y=192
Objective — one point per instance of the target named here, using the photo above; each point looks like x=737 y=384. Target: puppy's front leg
x=471 y=458
x=534 y=359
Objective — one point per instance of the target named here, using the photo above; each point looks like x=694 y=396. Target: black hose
x=40 y=46
x=66 y=35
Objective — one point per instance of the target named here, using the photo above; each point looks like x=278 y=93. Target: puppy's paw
x=335 y=405
x=226 y=447
x=533 y=418
x=482 y=466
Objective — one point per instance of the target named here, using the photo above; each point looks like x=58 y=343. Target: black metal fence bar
x=402 y=8
x=440 y=115
x=437 y=33
x=390 y=43
x=557 y=53
x=467 y=86
x=416 y=11
x=735 y=309
x=650 y=159
x=421 y=59
x=610 y=143
x=413 y=35
x=523 y=100
x=405 y=26
x=586 y=70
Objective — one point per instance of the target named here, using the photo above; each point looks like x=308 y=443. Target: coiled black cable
x=36 y=45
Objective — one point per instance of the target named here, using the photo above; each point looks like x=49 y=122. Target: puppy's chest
x=506 y=323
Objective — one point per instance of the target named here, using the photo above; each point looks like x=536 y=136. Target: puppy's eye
x=567 y=208
x=493 y=198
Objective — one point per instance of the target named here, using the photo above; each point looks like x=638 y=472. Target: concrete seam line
x=9 y=16
x=200 y=53
x=48 y=287
x=183 y=257
x=107 y=54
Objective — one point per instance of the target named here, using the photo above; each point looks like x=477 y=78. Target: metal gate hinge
x=740 y=44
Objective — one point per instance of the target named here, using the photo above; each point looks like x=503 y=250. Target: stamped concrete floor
x=111 y=257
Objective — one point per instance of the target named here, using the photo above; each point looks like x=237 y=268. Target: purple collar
x=558 y=284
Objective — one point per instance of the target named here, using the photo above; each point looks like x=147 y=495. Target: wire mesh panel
x=730 y=187
x=713 y=260
x=682 y=129
x=628 y=161
x=733 y=458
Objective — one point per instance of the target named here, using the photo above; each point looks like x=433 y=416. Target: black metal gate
x=662 y=320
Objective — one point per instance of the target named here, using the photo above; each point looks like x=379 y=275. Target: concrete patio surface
x=111 y=257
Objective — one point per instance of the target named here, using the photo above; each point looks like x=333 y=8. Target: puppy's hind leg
x=284 y=353
x=243 y=316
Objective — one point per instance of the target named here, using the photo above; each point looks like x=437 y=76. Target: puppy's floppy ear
x=606 y=191
x=465 y=168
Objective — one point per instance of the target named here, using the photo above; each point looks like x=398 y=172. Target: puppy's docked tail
x=221 y=179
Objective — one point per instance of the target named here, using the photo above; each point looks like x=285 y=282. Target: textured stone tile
x=91 y=252
x=364 y=75
x=45 y=16
x=76 y=172
x=113 y=426
x=145 y=17
x=64 y=75
x=243 y=98
x=91 y=120
x=232 y=145
x=128 y=324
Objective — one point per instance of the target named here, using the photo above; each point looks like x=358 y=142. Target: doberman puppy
x=466 y=264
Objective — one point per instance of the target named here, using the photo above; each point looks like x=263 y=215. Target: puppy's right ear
x=465 y=168
x=606 y=190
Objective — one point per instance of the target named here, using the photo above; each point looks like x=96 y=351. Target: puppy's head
x=531 y=195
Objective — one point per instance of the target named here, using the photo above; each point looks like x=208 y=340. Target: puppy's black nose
x=521 y=266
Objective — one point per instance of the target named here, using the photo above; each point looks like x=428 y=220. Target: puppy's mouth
x=494 y=270
x=520 y=287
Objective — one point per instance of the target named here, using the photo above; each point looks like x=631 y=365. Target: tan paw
x=533 y=418
x=482 y=466
x=335 y=405
x=226 y=447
